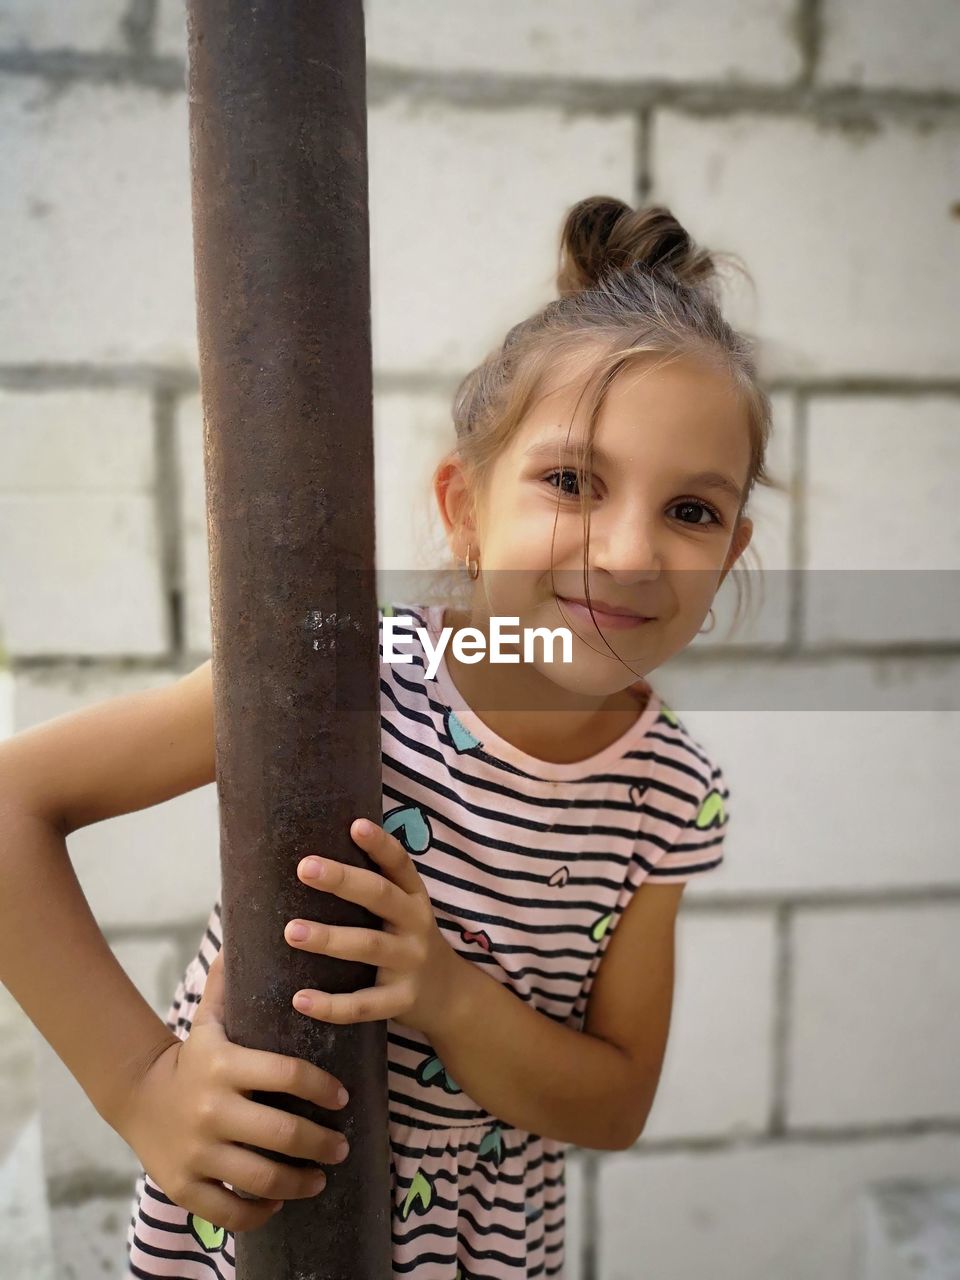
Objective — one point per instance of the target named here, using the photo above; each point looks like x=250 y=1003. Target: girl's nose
x=627 y=549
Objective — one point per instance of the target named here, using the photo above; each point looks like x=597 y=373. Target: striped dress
x=529 y=865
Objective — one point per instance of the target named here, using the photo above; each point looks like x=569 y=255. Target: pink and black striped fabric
x=529 y=865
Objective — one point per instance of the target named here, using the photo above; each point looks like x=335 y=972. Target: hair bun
x=602 y=235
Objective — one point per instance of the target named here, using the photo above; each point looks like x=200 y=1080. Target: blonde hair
x=632 y=284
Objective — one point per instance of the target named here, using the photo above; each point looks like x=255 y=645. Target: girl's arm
x=593 y=1087
x=119 y=756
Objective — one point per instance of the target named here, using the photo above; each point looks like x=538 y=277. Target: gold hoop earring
x=706 y=631
x=472 y=569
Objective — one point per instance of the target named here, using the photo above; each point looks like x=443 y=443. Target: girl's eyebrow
x=549 y=449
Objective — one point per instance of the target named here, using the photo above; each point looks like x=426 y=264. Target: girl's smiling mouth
x=613 y=621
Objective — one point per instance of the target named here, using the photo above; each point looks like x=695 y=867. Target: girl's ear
x=741 y=540
x=455 y=505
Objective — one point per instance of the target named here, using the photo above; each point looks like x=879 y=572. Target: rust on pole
x=278 y=148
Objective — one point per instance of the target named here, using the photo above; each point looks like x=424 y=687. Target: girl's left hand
x=417 y=966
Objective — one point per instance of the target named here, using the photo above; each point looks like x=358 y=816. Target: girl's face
x=661 y=539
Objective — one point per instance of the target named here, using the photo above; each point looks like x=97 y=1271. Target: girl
x=605 y=456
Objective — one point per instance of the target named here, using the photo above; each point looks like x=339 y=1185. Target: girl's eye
x=565 y=471
x=695 y=502
x=685 y=503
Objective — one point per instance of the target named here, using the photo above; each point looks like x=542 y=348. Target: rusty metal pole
x=278 y=143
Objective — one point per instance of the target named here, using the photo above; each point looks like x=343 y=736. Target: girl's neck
x=535 y=715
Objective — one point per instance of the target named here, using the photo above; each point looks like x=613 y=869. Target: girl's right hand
x=191 y=1110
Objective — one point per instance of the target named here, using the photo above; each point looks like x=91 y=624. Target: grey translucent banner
x=804 y=640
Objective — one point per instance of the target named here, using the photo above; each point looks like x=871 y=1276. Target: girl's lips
x=613 y=621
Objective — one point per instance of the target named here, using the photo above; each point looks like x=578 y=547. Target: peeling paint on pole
x=278 y=141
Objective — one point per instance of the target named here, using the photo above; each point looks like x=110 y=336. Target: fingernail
x=364 y=828
x=343 y=1097
x=297 y=932
x=313 y=867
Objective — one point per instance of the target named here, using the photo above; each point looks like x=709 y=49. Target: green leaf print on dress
x=460 y=735
x=206 y=1233
x=419 y=1197
x=408 y=824
x=492 y=1143
x=601 y=926
x=430 y=1067
x=711 y=812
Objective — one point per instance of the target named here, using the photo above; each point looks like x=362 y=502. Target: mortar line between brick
x=782 y=1018
x=167 y=508
x=798 y=518
x=808 y=31
x=138 y=24
x=644 y=144
x=796 y=1137
x=489 y=90
x=590 y=1239
x=41 y=376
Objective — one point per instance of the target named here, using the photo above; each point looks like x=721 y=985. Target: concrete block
x=25 y=1227
x=96 y=26
x=90 y=1238
x=798 y=202
x=575 y=1224
x=159 y=865
x=77 y=441
x=171 y=31
x=103 y=271
x=76 y=480
x=717 y=1070
x=790 y=1210
x=828 y=800
x=80 y=575
x=749 y=41
x=878 y=466
x=448 y=283
x=911 y=1231
x=412 y=432
x=882 y=44
x=18 y=1085
x=870 y=1036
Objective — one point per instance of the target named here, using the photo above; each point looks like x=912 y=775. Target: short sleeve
x=699 y=843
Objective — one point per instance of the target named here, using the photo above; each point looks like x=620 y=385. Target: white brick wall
x=749 y=40
x=849 y=1064
x=487 y=242
x=884 y=564
x=94 y=26
x=717 y=1076
x=754 y=1211
x=96 y=198
x=157 y=866
x=847 y=233
x=887 y=44
x=811 y=1046
x=80 y=570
